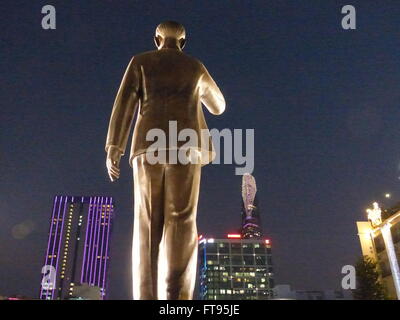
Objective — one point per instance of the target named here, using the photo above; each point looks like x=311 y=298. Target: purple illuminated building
x=78 y=249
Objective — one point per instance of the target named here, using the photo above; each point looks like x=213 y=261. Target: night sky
x=324 y=103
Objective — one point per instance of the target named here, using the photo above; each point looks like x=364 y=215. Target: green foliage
x=369 y=286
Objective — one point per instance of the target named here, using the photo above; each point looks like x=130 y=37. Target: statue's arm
x=122 y=114
x=124 y=109
x=210 y=95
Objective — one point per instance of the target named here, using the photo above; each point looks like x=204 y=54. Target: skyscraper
x=251 y=228
x=235 y=269
x=78 y=250
x=238 y=267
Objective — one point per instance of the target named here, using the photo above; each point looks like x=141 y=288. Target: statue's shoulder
x=191 y=58
x=195 y=63
x=144 y=55
x=156 y=55
x=199 y=64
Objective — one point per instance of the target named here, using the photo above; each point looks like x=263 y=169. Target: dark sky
x=324 y=103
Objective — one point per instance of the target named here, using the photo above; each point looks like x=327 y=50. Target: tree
x=369 y=286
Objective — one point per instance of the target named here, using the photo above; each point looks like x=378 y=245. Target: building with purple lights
x=78 y=249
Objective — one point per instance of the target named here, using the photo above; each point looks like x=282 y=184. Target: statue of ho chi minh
x=163 y=86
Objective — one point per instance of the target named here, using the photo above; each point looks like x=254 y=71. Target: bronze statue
x=165 y=86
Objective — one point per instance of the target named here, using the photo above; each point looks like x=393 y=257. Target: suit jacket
x=163 y=85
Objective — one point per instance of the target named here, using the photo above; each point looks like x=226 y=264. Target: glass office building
x=235 y=269
x=78 y=249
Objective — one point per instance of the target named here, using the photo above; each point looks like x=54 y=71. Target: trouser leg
x=179 y=243
x=148 y=227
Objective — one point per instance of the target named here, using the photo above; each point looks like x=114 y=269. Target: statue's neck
x=170 y=43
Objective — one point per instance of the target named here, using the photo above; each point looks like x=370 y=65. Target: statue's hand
x=112 y=162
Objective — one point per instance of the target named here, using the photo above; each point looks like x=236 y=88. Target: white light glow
x=374 y=214
x=391 y=252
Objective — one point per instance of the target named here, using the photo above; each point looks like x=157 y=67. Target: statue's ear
x=157 y=41
x=182 y=43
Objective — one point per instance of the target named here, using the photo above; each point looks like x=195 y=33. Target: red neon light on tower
x=234 y=236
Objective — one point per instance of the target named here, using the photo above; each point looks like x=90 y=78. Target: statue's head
x=170 y=34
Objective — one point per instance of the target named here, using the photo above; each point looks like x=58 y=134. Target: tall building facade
x=78 y=249
x=251 y=226
x=380 y=240
x=235 y=269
